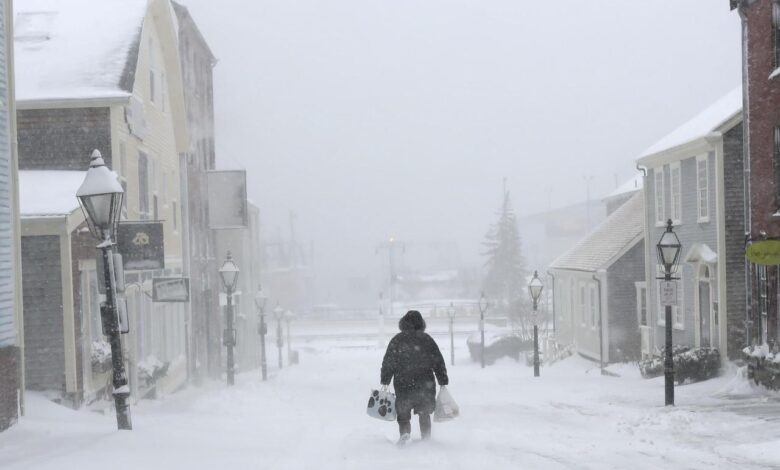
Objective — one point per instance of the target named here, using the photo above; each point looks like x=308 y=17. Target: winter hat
x=412 y=321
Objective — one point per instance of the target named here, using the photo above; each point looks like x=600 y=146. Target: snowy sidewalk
x=312 y=416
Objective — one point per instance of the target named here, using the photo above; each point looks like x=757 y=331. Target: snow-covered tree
x=505 y=277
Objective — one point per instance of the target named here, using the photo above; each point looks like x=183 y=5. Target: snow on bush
x=151 y=369
x=100 y=356
x=690 y=364
x=763 y=365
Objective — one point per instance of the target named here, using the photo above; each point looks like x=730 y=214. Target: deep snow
x=312 y=416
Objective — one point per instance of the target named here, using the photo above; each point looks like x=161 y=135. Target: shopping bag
x=381 y=405
x=446 y=408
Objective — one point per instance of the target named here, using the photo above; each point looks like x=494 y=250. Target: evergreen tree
x=505 y=278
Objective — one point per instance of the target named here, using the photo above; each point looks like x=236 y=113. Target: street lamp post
x=451 y=314
x=535 y=289
x=669 y=248
x=229 y=274
x=279 y=314
x=260 y=300
x=100 y=197
x=483 y=306
x=288 y=315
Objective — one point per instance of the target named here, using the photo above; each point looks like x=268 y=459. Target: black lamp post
x=483 y=306
x=229 y=274
x=100 y=197
x=260 y=300
x=279 y=314
x=451 y=314
x=535 y=289
x=669 y=248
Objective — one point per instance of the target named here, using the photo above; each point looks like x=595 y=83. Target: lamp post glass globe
x=483 y=303
x=260 y=298
x=278 y=312
x=229 y=273
x=100 y=197
x=451 y=310
x=669 y=247
x=535 y=287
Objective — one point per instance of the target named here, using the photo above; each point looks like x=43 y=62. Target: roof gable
x=76 y=49
x=621 y=230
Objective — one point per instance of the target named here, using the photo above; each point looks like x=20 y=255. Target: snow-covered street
x=313 y=416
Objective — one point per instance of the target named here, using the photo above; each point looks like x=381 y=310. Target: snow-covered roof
x=47 y=193
x=634 y=184
x=76 y=49
x=622 y=228
x=702 y=124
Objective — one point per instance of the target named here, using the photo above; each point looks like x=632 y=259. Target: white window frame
x=152 y=74
x=703 y=190
x=641 y=300
x=594 y=305
x=583 y=303
x=660 y=197
x=675 y=192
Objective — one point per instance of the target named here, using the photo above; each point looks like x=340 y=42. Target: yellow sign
x=765 y=252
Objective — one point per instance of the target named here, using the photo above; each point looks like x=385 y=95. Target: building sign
x=227 y=199
x=171 y=289
x=141 y=245
x=764 y=252
x=668 y=293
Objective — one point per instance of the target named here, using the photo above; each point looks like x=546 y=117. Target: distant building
x=11 y=325
x=200 y=262
x=598 y=288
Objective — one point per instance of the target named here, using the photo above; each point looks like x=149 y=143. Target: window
x=583 y=305
x=90 y=304
x=593 y=306
x=641 y=303
x=155 y=208
x=165 y=189
x=660 y=215
x=763 y=301
x=702 y=189
x=175 y=217
x=776 y=159
x=676 y=199
x=143 y=185
x=152 y=67
x=776 y=32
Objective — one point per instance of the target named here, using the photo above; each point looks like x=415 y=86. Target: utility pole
x=391 y=246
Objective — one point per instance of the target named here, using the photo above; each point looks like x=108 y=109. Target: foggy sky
x=374 y=118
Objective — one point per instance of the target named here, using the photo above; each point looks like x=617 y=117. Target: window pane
x=659 y=195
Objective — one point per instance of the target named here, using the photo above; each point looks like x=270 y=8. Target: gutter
x=601 y=328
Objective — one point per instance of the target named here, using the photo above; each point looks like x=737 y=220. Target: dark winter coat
x=411 y=361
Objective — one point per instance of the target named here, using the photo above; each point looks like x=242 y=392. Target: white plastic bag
x=381 y=405
x=446 y=408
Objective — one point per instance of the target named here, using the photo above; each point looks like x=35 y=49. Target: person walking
x=411 y=361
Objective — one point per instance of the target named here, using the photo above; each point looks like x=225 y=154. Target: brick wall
x=9 y=404
x=43 y=317
x=624 y=340
x=62 y=139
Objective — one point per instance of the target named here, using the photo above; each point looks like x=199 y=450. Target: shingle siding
x=734 y=221
x=623 y=322
x=62 y=139
x=43 y=314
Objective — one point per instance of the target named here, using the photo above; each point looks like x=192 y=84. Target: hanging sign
x=764 y=252
x=668 y=291
x=142 y=245
x=171 y=289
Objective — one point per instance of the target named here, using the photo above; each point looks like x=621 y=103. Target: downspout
x=16 y=226
x=552 y=286
x=746 y=168
x=601 y=328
